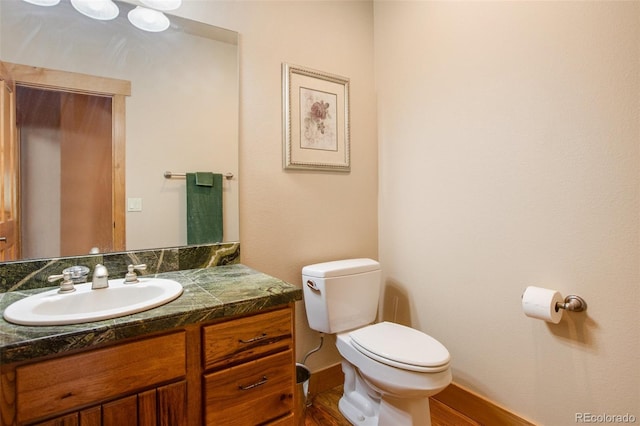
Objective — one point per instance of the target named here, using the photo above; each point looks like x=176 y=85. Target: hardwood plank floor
x=324 y=412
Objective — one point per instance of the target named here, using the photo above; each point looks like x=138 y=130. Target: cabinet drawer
x=241 y=339
x=73 y=381
x=250 y=393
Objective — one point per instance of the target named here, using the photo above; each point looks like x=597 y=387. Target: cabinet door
x=68 y=420
x=63 y=384
x=148 y=408
x=164 y=406
x=121 y=412
x=172 y=404
x=91 y=417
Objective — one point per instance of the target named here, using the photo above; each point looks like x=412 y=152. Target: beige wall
x=292 y=218
x=509 y=136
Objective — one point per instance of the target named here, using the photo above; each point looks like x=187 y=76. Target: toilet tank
x=341 y=295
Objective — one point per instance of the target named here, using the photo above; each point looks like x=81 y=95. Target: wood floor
x=324 y=412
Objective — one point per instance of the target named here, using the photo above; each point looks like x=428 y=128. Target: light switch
x=134 y=204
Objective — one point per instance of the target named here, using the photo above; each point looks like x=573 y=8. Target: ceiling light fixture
x=148 y=20
x=43 y=2
x=103 y=10
x=162 y=4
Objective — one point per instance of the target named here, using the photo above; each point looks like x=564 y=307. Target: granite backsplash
x=31 y=274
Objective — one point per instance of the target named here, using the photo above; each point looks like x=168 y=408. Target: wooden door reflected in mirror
x=70 y=129
x=65 y=172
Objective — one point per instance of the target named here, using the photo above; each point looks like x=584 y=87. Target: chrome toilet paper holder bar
x=572 y=303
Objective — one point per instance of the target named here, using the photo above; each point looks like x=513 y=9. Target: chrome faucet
x=100 y=277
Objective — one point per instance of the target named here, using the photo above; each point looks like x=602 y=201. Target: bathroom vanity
x=222 y=353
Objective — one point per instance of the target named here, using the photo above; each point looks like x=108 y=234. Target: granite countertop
x=209 y=293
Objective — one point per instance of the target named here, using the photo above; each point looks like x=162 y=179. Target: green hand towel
x=204 y=179
x=204 y=208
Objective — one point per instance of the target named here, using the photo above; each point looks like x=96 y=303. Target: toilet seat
x=401 y=347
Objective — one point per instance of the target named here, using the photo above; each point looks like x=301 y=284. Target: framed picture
x=315 y=120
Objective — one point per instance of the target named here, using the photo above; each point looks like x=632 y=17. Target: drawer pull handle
x=254 y=339
x=255 y=385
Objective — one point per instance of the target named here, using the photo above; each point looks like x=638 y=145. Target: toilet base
x=389 y=414
x=359 y=403
x=404 y=412
x=354 y=415
x=362 y=405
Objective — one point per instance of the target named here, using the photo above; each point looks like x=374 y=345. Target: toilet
x=390 y=370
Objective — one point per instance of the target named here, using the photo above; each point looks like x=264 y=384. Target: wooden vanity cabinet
x=237 y=371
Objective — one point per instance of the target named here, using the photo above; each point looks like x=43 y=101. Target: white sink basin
x=87 y=305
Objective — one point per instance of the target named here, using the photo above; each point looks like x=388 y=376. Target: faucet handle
x=66 y=286
x=131 y=276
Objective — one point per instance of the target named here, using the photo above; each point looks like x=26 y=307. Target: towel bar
x=169 y=175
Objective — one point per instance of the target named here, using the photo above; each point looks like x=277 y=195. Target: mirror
x=181 y=115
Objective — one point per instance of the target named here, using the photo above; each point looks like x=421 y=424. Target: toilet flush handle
x=312 y=285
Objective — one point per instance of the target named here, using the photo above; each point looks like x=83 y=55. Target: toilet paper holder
x=572 y=303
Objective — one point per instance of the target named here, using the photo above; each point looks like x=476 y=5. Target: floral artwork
x=318 y=120
x=315 y=112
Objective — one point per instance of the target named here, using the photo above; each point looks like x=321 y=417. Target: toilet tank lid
x=341 y=267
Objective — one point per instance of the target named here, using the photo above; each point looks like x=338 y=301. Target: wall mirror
x=181 y=116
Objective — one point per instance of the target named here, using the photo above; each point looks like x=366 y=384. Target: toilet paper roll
x=540 y=303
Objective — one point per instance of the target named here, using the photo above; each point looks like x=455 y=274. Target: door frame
x=117 y=90
x=10 y=240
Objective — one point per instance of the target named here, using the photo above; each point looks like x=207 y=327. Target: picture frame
x=315 y=120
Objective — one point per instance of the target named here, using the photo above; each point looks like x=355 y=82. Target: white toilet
x=390 y=370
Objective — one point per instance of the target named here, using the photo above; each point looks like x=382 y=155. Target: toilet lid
x=401 y=347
